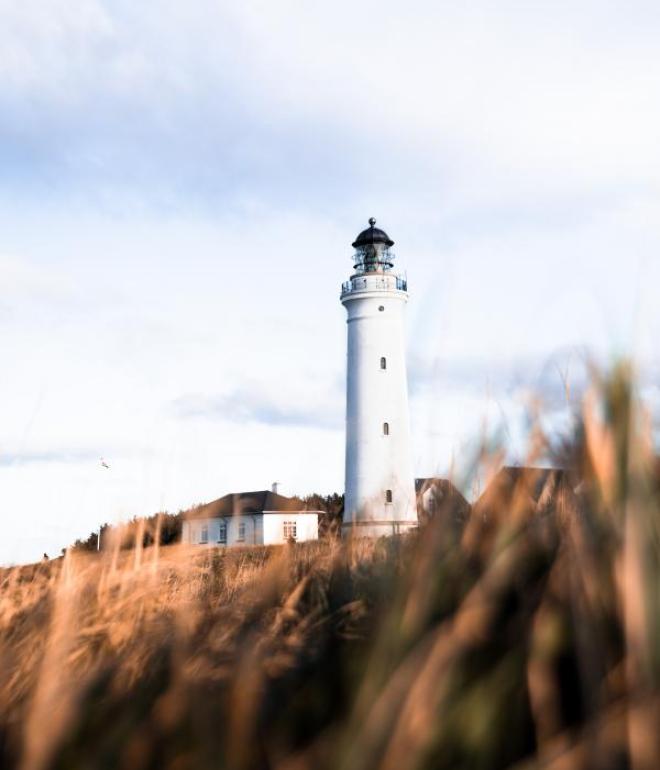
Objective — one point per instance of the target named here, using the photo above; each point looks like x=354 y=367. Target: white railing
x=375 y=283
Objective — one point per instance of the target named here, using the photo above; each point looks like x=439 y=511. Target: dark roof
x=541 y=485
x=371 y=236
x=249 y=502
x=440 y=498
x=536 y=480
x=444 y=485
x=443 y=489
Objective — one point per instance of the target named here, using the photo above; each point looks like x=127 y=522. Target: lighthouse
x=379 y=483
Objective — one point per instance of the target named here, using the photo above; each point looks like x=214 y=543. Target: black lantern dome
x=372 y=236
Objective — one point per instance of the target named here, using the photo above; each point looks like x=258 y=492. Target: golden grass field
x=527 y=636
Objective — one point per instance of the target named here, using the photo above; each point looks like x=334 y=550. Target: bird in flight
x=104 y=464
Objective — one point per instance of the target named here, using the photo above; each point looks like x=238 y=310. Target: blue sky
x=179 y=187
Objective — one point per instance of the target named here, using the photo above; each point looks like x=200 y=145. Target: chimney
x=274 y=487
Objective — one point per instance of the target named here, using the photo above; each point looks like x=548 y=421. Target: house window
x=388 y=495
x=383 y=363
x=289 y=530
x=222 y=533
x=204 y=536
x=386 y=429
x=241 y=532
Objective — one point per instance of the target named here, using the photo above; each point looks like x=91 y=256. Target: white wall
x=260 y=529
x=375 y=462
x=192 y=530
x=307 y=527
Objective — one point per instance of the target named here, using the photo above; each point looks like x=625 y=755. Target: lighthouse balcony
x=375 y=282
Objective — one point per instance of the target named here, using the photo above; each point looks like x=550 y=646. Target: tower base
x=375 y=529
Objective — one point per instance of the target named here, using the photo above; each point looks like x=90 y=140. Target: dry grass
x=527 y=637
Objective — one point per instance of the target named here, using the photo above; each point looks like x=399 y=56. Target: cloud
x=26 y=289
x=182 y=182
x=8 y=459
x=495 y=104
x=551 y=379
x=250 y=407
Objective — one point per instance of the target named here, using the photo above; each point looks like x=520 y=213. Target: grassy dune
x=527 y=636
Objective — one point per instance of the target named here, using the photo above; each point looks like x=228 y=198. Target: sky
x=180 y=184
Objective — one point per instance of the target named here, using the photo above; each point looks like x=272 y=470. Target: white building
x=250 y=518
x=437 y=496
x=379 y=487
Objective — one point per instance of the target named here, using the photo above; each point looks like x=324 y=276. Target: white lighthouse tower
x=380 y=487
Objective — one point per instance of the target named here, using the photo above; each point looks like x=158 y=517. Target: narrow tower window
x=388 y=495
x=383 y=363
x=386 y=429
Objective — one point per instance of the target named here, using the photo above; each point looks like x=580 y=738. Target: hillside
x=526 y=636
